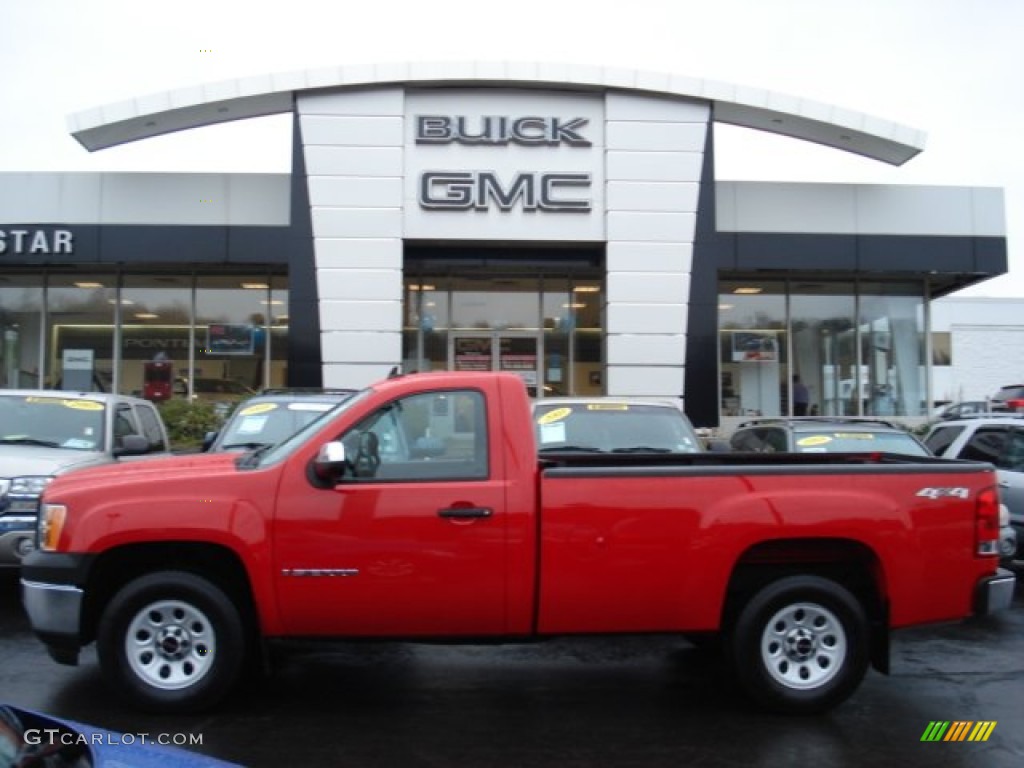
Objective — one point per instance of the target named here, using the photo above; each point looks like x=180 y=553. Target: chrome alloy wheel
x=170 y=644
x=803 y=646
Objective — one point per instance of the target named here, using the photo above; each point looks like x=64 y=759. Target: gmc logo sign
x=476 y=190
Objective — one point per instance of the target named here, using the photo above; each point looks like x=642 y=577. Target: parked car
x=612 y=425
x=998 y=440
x=45 y=433
x=825 y=434
x=270 y=417
x=1010 y=398
x=960 y=410
x=30 y=738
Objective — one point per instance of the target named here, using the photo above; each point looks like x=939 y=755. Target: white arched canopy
x=242 y=98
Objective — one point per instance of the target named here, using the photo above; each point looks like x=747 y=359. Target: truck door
x=411 y=541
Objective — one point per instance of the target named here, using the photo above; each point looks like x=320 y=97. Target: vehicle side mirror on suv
x=131 y=445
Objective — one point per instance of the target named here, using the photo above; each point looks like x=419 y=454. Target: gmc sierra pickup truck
x=419 y=509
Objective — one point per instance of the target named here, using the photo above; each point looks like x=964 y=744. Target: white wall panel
x=353 y=161
x=654 y=166
x=356 y=222
x=620 y=105
x=354 y=375
x=627 y=256
x=351 y=130
x=646 y=380
x=354 y=164
x=644 y=226
x=647 y=349
x=676 y=137
x=646 y=318
x=360 y=284
x=355 y=192
x=362 y=346
x=653 y=287
x=654 y=162
x=371 y=102
x=652 y=196
x=344 y=314
x=359 y=253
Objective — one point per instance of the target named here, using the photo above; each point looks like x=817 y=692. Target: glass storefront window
x=231 y=335
x=753 y=348
x=21 y=330
x=156 y=320
x=277 y=373
x=824 y=347
x=892 y=349
x=81 y=316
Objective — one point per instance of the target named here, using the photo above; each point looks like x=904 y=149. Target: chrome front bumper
x=53 y=609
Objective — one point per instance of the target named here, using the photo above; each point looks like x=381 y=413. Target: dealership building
x=560 y=222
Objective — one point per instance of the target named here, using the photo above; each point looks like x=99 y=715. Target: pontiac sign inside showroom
x=477 y=190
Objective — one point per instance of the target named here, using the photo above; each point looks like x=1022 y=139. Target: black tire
x=801 y=645
x=171 y=642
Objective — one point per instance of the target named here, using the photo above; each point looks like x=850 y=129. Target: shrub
x=188 y=422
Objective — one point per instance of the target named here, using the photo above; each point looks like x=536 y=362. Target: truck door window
x=941 y=438
x=429 y=436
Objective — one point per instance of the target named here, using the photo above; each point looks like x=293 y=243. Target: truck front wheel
x=171 y=641
x=800 y=645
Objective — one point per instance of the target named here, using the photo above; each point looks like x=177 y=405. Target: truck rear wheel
x=800 y=645
x=172 y=642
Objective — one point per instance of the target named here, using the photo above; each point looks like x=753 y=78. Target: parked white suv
x=997 y=439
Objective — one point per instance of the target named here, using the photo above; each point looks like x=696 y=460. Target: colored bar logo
x=958 y=730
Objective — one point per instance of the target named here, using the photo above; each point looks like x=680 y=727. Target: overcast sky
x=951 y=68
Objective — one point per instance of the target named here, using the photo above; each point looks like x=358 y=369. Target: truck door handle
x=465 y=512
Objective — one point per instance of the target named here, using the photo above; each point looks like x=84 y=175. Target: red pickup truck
x=419 y=509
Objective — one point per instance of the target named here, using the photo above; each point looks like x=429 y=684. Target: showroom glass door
x=517 y=352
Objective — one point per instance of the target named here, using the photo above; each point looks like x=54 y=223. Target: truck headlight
x=29 y=485
x=51 y=523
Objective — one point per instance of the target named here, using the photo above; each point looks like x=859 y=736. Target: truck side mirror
x=330 y=462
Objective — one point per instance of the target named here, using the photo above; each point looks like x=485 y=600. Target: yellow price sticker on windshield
x=556 y=415
x=806 y=442
x=83 y=405
x=258 y=408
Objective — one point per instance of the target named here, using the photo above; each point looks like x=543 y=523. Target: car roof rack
x=986 y=415
x=794 y=420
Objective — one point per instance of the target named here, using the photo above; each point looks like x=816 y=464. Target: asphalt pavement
x=570 y=703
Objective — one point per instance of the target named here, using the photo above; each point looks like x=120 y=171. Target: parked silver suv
x=997 y=439
x=45 y=432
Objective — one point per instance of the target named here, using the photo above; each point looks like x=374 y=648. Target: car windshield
x=287 y=446
x=266 y=422
x=52 y=422
x=857 y=441
x=613 y=427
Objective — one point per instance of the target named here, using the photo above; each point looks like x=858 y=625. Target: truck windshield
x=52 y=422
x=285 y=448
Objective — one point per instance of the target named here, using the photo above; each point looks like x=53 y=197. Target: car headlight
x=51 y=523
x=1004 y=515
x=29 y=486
